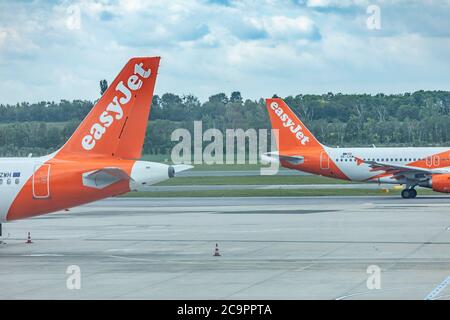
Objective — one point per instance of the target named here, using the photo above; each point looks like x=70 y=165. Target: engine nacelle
x=441 y=182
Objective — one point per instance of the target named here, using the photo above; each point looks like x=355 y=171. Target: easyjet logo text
x=114 y=110
x=289 y=123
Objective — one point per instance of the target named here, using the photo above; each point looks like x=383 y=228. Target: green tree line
x=419 y=118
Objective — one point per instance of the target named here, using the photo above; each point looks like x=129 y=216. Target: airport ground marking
x=438 y=289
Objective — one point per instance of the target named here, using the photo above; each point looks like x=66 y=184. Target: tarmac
x=238 y=173
x=340 y=186
x=271 y=248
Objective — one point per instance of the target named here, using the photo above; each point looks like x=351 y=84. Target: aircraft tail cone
x=216 y=251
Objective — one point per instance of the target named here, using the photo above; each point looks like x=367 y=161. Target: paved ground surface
x=238 y=173
x=294 y=248
x=373 y=186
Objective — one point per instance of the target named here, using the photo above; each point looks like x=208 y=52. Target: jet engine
x=440 y=183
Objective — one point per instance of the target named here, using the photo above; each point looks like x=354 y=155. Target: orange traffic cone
x=216 y=251
x=29 y=238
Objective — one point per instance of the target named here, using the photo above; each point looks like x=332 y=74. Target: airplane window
x=1 y=182
x=8 y=181
x=16 y=181
x=378 y=159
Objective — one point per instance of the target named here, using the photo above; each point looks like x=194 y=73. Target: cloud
x=336 y=3
x=285 y=28
x=259 y=47
x=221 y=2
x=3 y=35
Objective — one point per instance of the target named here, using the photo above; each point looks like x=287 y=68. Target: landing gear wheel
x=409 y=193
x=405 y=194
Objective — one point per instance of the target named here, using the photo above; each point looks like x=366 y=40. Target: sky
x=52 y=50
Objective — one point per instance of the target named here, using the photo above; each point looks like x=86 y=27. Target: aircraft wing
x=399 y=171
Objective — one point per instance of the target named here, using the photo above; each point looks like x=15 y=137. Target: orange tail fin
x=292 y=135
x=116 y=125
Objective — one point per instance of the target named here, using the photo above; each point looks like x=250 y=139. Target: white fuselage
x=344 y=159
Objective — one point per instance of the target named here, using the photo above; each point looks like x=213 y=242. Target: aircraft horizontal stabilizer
x=276 y=157
x=102 y=178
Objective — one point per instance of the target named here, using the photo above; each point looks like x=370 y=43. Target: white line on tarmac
x=374 y=291
x=43 y=255
x=433 y=294
x=134 y=259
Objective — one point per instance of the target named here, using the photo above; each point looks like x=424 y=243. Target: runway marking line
x=371 y=291
x=438 y=289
